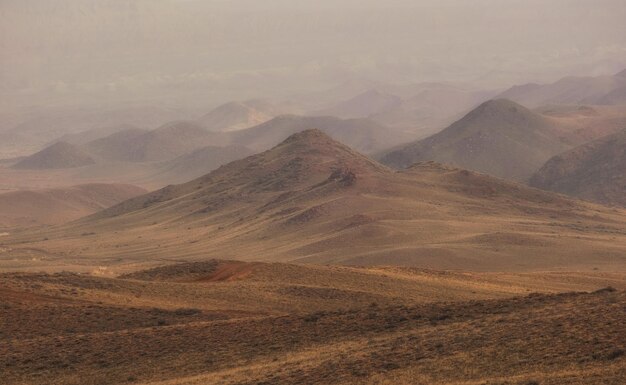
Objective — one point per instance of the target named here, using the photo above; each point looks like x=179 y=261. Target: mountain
x=90 y=135
x=164 y=143
x=422 y=108
x=364 y=135
x=499 y=137
x=59 y=205
x=369 y=103
x=615 y=97
x=595 y=171
x=432 y=108
x=571 y=90
x=312 y=199
x=117 y=146
x=56 y=156
x=42 y=126
x=238 y=115
x=199 y=162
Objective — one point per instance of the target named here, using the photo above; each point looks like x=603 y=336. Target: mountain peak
x=312 y=134
x=503 y=110
x=502 y=105
x=621 y=74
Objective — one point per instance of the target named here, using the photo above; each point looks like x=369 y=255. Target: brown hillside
x=312 y=199
x=240 y=323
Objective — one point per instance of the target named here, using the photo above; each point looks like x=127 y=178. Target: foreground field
x=223 y=322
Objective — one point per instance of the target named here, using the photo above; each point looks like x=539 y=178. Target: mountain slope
x=499 y=137
x=312 y=199
x=56 y=156
x=595 y=171
x=59 y=205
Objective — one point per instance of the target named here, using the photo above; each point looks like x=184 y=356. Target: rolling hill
x=59 y=205
x=499 y=137
x=595 y=171
x=56 y=156
x=229 y=322
x=312 y=199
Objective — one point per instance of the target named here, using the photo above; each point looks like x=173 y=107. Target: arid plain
x=340 y=220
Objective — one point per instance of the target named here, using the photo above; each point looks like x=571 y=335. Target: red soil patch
x=230 y=271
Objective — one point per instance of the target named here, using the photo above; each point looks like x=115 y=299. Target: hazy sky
x=203 y=52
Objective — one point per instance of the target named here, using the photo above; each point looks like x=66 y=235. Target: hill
x=60 y=205
x=571 y=90
x=199 y=162
x=164 y=143
x=251 y=323
x=362 y=134
x=595 y=171
x=238 y=115
x=499 y=137
x=312 y=199
x=56 y=156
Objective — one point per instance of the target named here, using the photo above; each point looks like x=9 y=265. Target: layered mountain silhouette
x=571 y=90
x=421 y=108
x=90 y=135
x=595 y=171
x=164 y=143
x=499 y=137
x=313 y=199
x=59 y=155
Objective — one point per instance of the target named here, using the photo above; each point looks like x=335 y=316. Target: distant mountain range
x=599 y=90
x=312 y=199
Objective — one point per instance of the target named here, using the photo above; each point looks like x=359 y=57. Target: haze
x=200 y=53
x=320 y=192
